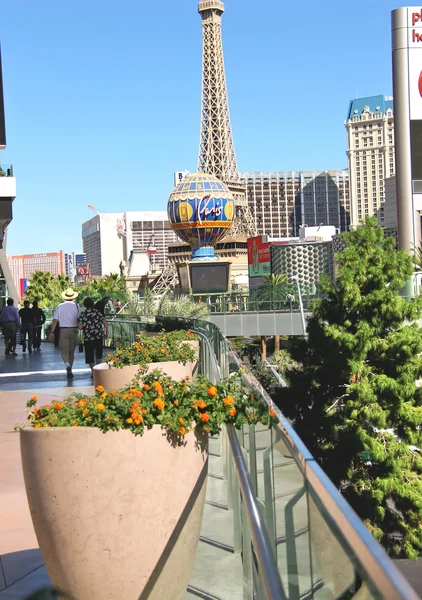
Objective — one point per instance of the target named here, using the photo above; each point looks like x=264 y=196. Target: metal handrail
x=270 y=580
x=277 y=375
x=380 y=569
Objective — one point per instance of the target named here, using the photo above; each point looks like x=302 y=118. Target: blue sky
x=103 y=98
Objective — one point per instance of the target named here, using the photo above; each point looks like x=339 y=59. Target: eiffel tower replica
x=216 y=148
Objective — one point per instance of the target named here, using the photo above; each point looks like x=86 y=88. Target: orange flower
x=34 y=398
x=228 y=400
x=272 y=412
x=232 y=411
x=46 y=406
x=137 y=393
x=182 y=431
x=125 y=396
x=57 y=405
x=181 y=421
x=171 y=388
x=37 y=425
x=187 y=377
x=163 y=350
x=100 y=407
x=86 y=411
x=81 y=403
x=185 y=383
x=176 y=402
x=100 y=388
x=159 y=403
x=130 y=420
x=104 y=395
x=114 y=394
x=205 y=417
x=74 y=424
x=146 y=387
x=202 y=404
x=212 y=390
x=158 y=388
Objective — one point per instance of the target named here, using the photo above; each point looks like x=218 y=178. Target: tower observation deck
x=216 y=148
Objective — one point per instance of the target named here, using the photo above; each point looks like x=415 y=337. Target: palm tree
x=46 y=288
x=417 y=257
x=272 y=295
x=182 y=306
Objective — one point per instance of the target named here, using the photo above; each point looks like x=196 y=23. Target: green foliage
x=157 y=400
x=151 y=348
x=273 y=293
x=282 y=361
x=182 y=306
x=417 y=258
x=354 y=400
x=112 y=285
x=46 y=288
x=170 y=306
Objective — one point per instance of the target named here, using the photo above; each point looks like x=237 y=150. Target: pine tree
x=354 y=399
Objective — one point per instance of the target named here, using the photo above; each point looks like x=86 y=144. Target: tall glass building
x=282 y=201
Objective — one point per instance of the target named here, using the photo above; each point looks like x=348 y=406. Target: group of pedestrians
x=67 y=323
x=92 y=323
x=28 y=321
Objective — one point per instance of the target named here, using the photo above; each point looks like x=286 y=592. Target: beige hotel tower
x=371 y=155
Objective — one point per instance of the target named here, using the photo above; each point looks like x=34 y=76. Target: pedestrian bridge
x=274 y=526
x=250 y=324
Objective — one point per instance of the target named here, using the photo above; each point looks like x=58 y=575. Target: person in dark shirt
x=101 y=304
x=28 y=324
x=39 y=318
x=93 y=325
x=10 y=321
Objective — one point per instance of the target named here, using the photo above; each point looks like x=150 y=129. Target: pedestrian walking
x=28 y=324
x=94 y=325
x=39 y=318
x=10 y=321
x=67 y=314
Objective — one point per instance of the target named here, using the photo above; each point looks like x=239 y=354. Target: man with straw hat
x=67 y=314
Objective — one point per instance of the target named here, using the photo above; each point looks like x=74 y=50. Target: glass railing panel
x=291 y=519
x=335 y=572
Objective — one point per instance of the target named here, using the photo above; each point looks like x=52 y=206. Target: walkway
x=217 y=573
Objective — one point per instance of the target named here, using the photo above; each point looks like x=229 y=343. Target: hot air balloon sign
x=201 y=211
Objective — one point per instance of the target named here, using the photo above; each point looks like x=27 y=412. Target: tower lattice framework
x=216 y=148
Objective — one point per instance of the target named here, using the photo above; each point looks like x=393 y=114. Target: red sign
x=259 y=254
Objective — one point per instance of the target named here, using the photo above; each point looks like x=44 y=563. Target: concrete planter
x=115 y=379
x=116 y=515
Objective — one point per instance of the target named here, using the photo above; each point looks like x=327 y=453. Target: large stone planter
x=117 y=516
x=115 y=379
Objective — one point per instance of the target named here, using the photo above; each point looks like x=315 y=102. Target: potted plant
x=116 y=482
x=174 y=352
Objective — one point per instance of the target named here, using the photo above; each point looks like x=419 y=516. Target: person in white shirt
x=67 y=314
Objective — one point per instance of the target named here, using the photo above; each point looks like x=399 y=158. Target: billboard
x=23 y=284
x=211 y=278
x=2 y=117
x=259 y=257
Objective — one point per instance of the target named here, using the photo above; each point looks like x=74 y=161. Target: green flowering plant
x=162 y=347
x=156 y=399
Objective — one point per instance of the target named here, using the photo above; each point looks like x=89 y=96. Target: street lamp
x=302 y=314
